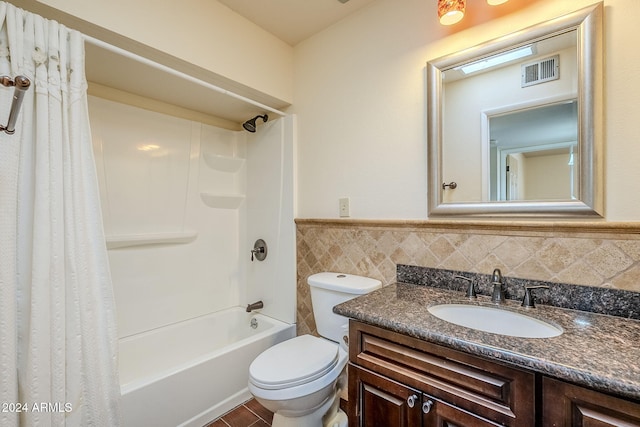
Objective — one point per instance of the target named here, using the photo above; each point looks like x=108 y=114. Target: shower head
x=250 y=125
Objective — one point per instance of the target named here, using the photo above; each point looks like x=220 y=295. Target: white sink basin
x=495 y=320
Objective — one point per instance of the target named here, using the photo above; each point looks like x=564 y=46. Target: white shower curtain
x=58 y=342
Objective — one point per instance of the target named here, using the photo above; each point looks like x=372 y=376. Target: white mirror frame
x=588 y=22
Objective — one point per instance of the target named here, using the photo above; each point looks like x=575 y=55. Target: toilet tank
x=330 y=289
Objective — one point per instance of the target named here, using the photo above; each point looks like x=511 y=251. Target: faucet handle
x=528 y=300
x=471 y=290
x=259 y=250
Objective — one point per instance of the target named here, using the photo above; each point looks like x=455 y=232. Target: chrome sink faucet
x=498 y=292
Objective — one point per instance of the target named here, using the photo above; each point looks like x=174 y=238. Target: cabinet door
x=381 y=402
x=567 y=405
x=440 y=414
x=490 y=390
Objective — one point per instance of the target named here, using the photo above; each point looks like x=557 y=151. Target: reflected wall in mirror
x=533 y=153
x=516 y=123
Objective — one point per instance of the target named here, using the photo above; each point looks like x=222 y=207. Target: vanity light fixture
x=452 y=11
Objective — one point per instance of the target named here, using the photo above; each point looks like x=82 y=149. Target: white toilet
x=300 y=379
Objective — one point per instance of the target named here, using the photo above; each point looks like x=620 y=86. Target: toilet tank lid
x=341 y=282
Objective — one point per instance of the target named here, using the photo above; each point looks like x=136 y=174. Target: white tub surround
x=191 y=372
x=183 y=201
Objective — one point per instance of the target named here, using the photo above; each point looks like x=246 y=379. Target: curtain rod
x=21 y=84
x=176 y=73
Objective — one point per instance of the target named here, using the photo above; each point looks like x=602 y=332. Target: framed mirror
x=515 y=124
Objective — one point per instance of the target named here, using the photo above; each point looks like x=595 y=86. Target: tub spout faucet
x=255 y=306
x=498 y=292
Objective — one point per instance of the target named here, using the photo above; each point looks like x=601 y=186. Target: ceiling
x=294 y=20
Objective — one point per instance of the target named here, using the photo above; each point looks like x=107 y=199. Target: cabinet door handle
x=411 y=401
x=426 y=406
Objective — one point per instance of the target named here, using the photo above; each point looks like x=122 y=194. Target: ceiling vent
x=541 y=71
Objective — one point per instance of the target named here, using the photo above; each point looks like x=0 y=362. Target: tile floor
x=250 y=413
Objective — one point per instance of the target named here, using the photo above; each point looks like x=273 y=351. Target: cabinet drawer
x=491 y=390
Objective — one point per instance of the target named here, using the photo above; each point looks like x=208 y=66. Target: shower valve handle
x=259 y=250
x=256 y=251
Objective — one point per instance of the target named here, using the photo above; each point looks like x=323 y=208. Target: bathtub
x=191 y=372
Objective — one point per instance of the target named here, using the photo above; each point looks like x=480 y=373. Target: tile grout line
x=221 y=418
x=259 y=417
x=218 y=419
x=243 y=405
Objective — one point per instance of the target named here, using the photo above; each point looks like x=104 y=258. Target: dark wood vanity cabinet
x=396 y=380
x=399 y=381
x=384 y=402
x=387 y=403
x=568 y=405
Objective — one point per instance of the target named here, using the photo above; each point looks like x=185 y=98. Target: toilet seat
x=317 y=390
x=294 y=362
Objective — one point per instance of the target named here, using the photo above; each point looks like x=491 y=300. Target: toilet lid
x=293 y=362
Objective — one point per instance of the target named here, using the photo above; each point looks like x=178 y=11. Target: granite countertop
x=595 y=350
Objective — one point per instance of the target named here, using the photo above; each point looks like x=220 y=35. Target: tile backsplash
x=589 y=254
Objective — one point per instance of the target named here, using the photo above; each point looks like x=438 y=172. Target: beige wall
x=360 y=95
x=359 y=87
x=547 y=177
x=359 y=92
x=361 y=99
x=201 y=32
